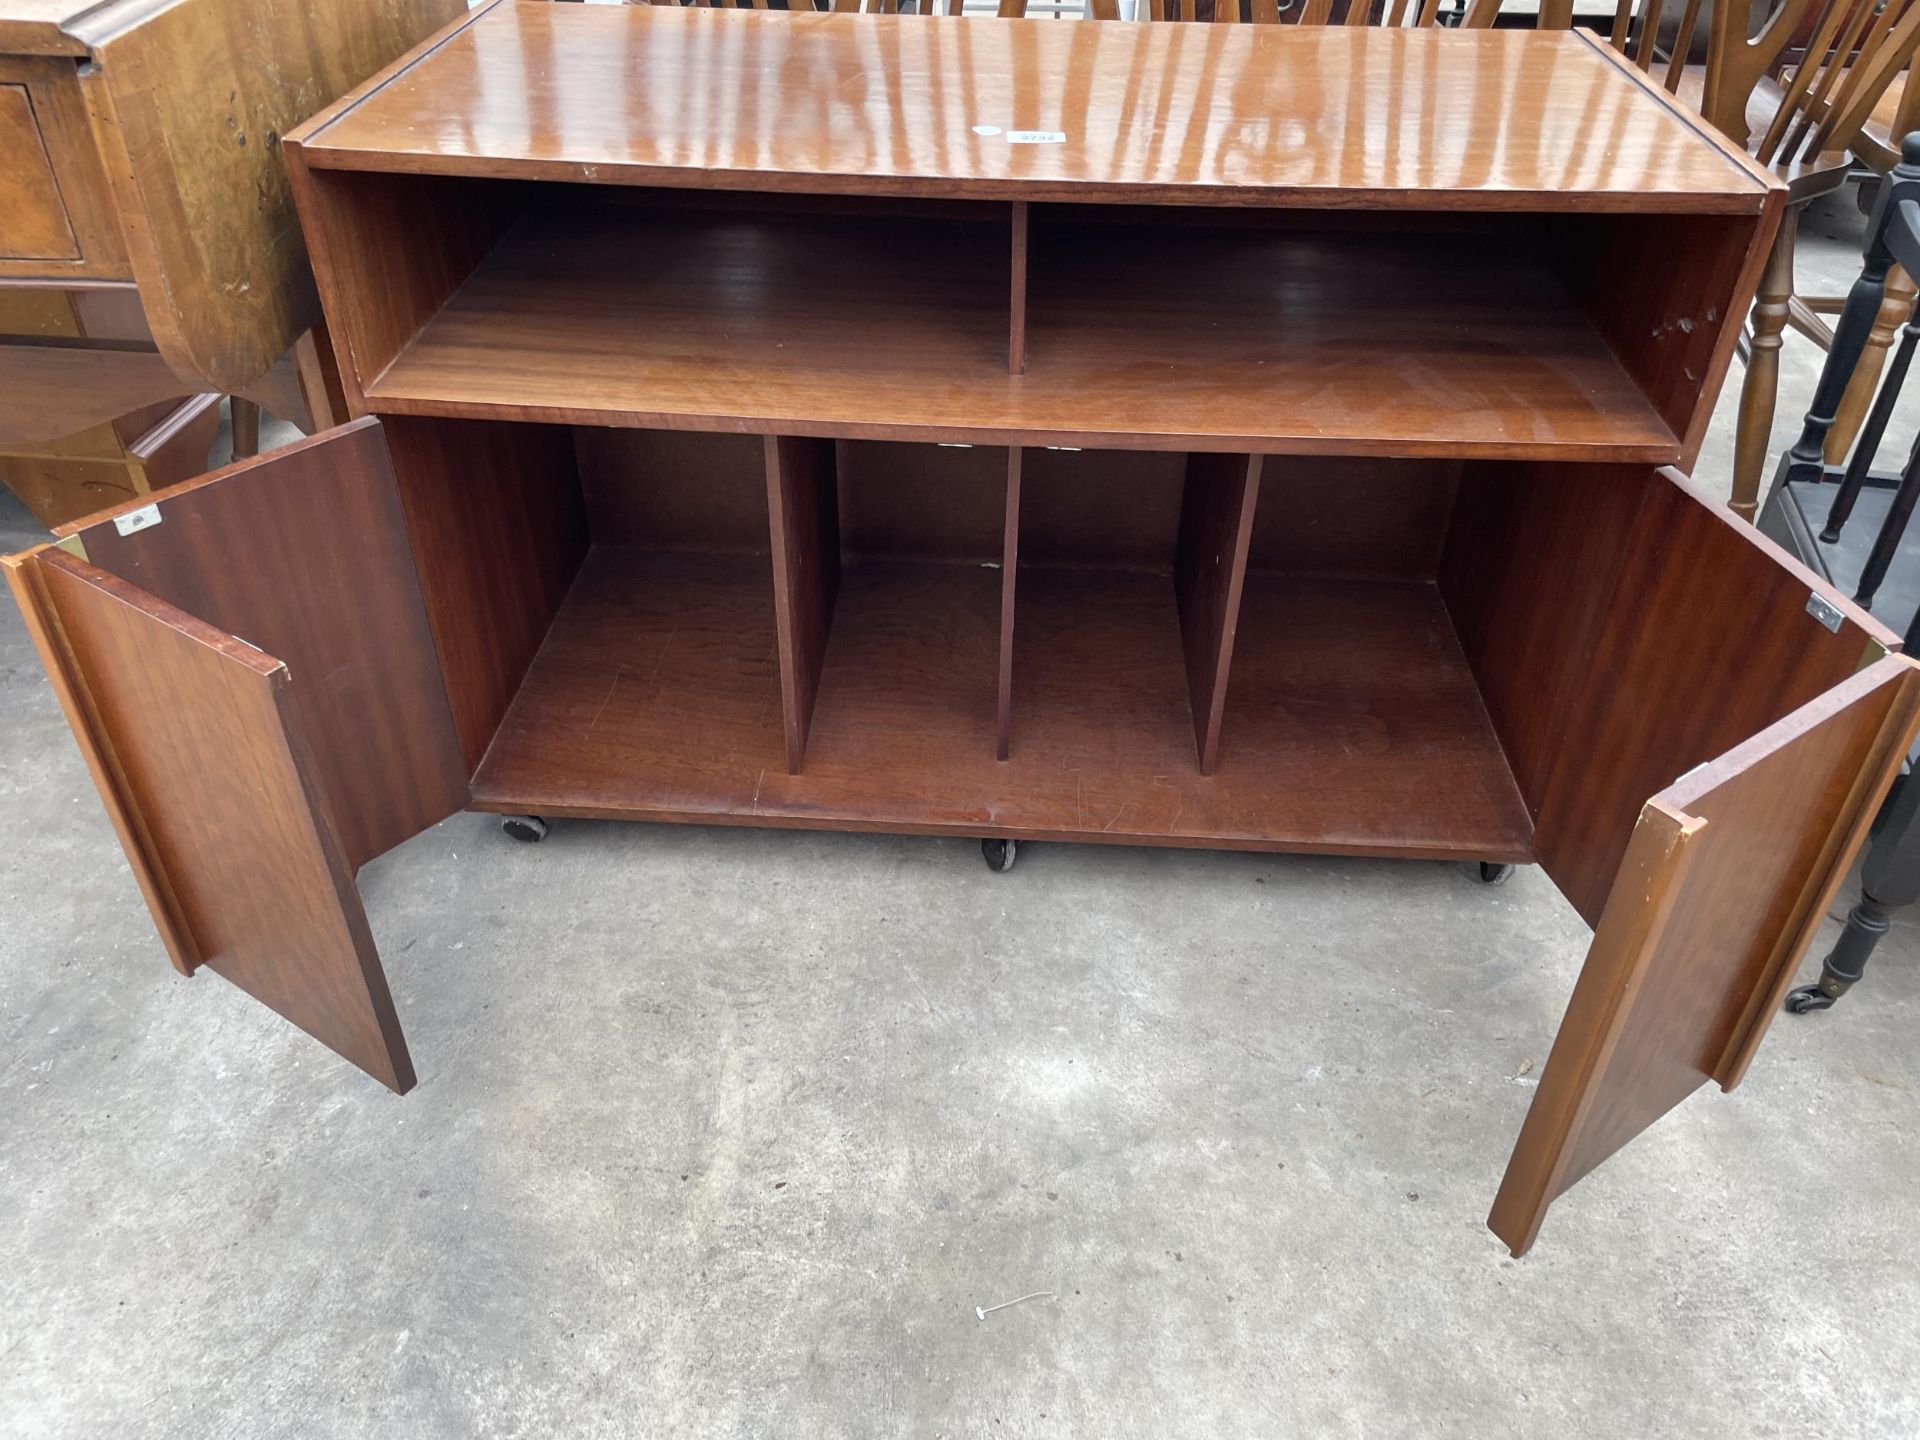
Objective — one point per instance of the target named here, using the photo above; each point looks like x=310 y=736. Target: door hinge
x=1825 y=611
x=134 y=521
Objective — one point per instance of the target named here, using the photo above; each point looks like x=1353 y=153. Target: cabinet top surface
x=880 y=104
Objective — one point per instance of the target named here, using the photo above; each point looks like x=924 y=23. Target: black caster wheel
x=1807 y=999
x=528 y=829
x=1492 y=874
x=999 y=854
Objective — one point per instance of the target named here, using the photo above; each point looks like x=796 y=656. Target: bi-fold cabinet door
x=247 y=665
x=1726 y=876
x=1634 y=640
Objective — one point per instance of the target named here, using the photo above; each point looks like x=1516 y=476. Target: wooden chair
x=1876 y=147
x=1809 y=514
x=1796 y=94
x=1008 y=9
x=1472 y=15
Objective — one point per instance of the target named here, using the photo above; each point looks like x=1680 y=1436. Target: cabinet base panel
x=1353 y=724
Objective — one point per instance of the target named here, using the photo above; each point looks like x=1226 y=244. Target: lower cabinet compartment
x=1350 y=720
x=1352 y=707
x=1587 y=666
x=655 y=691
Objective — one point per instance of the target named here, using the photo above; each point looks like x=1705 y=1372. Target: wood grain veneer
x=688 y=490
x=1672 y=327
x=1192 y=115
x=1216 y=527
x=1727 y=875
x=54 y=180
x=42 y=382
x=33 y=219
x=1590 y=602
x=227 y=793
x=803 y=508
x=1740 y=595
x=326 y=584
x=498 y=530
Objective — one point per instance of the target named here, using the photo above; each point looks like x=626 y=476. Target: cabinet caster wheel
x=1492 y=874
x=999 y=854
x=528 y=829
x=1807 y=999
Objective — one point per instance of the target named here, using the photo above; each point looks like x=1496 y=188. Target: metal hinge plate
x=134 y=521
x=1825 y=611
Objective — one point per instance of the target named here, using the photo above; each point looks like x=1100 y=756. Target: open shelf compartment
x=1389 y=334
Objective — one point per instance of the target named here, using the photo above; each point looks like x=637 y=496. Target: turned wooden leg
x=1754 y=435
x=246 y=428
x=1895 y=306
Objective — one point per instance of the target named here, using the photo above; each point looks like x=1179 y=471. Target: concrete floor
x=728 y=1133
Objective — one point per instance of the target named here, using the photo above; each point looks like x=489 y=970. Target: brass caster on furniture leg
x=999 y=854
x=528 y=829
x=1493 y=874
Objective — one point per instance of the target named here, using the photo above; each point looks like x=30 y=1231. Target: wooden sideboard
x=149 y=251
x=1176 y=435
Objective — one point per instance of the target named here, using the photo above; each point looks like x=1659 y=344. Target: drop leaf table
x=150 y=256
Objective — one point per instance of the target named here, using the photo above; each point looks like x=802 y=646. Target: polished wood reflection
x=1224 y=114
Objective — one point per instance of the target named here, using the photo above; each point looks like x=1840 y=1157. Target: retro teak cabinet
x=758 y=429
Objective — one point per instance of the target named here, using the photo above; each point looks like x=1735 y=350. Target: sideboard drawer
x=33 y=219
x=57 y=219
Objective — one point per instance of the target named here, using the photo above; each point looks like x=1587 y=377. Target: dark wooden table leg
x=1889 y=880
x=246 y=428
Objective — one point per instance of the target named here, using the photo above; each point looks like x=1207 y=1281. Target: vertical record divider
x=1017 y=297
x=1010 y=534
x=1210 y=571
x=1009 y=583
x=803 y=513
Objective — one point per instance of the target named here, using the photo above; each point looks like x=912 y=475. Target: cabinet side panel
x=1668 y=293
x=1531 y=565
x=388 y=252
x=226 y=792
x=499 y=531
